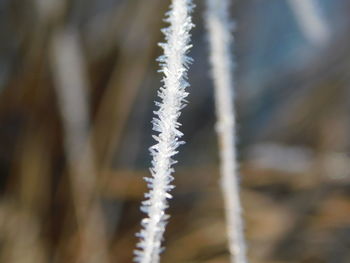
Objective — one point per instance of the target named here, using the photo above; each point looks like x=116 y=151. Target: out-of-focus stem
x=71 y=84
x=311 y=22
x=220 y=39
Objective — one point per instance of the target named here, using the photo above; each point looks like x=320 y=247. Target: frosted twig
x=219 y=28
x=174 y=64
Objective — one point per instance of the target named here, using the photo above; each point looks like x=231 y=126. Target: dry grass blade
x=71 y=85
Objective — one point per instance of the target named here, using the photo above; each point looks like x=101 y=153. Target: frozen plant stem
x=220 y=39
x=174 y=64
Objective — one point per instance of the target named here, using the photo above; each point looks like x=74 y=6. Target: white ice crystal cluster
x=174 y=65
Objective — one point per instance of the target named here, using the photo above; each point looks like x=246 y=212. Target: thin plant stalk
x=174 y=64
x=70 y=83
x=219 y=28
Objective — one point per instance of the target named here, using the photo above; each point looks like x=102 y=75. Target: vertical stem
x=174 y=64
x=219 y=29
x=70 y=83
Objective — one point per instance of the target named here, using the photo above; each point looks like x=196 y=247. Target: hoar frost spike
x=174 y=64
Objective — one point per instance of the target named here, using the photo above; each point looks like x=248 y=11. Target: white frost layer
x=219 y=27
x=174 y=64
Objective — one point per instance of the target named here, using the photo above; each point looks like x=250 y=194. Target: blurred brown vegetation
x=77 y=81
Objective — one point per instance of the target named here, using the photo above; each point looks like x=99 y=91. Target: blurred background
x=77 y=84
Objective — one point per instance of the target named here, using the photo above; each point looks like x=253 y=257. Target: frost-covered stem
x=310 y=20
x=174 y=65
x=220 y=38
